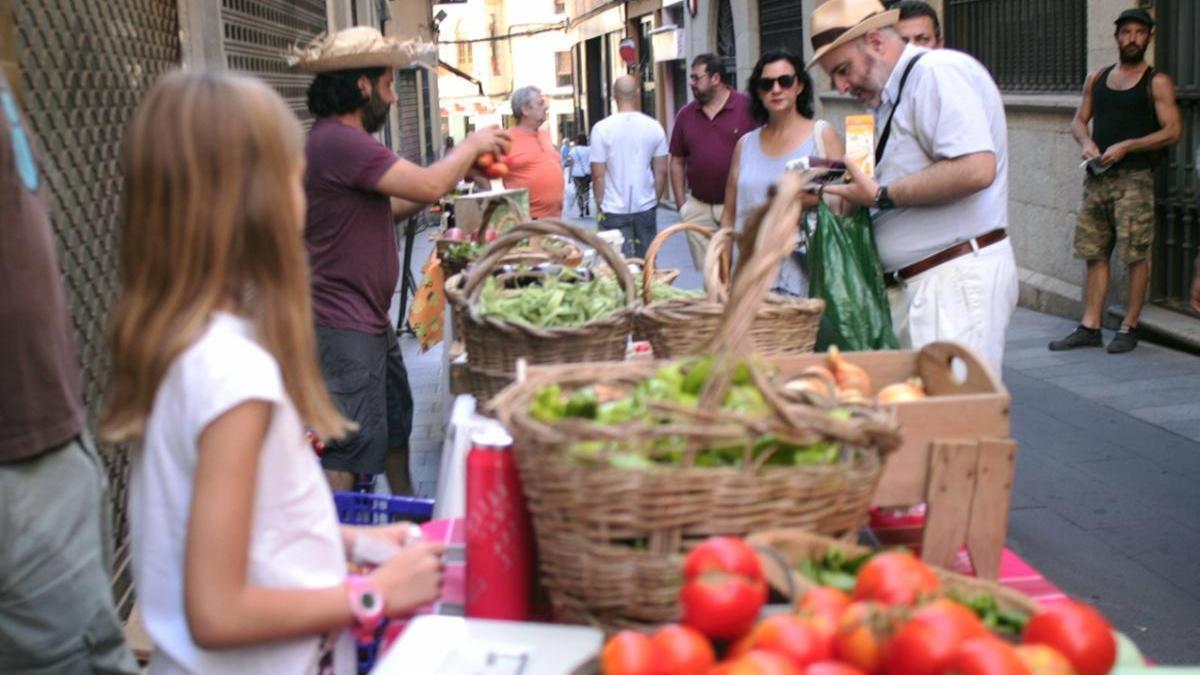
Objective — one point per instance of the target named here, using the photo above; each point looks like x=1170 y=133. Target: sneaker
x=1082 y=336
x=1124 y=341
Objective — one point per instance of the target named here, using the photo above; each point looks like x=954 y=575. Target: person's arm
x=679 y=180
x=223 y=610
x=659 y=166
x=598 y=185
x=425 y=185
x=834 y=148
x=1162 y=87
x=403 y=208
x=729 y=213
x=942 y=182
x=1083 y=116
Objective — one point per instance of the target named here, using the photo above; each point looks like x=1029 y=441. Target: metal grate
x=1177 y=238
x=780 y=26
x=1036 y=46
x=84 y=67
x=408 y=107
x=257 y=32
x=727 y=40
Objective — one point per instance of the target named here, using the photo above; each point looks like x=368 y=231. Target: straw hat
x=837 y=22
x=358 y=47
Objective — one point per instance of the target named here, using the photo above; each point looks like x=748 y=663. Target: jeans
x=639 y=229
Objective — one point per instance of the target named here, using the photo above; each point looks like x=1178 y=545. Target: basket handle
x=513 y=217
x=935 y=366
x=717 y=262
x=656 y=244
x=548 y=226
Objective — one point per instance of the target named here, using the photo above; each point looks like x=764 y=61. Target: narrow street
x=1106 y=500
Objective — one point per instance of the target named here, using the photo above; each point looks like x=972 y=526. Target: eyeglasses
x=766 y=84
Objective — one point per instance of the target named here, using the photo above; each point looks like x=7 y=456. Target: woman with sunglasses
x=782 y=101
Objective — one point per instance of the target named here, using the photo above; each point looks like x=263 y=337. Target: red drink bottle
x=499 y=538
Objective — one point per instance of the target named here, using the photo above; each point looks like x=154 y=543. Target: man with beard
x=939 y=196
x=1134 y=115
x=919 y=24
x=356 y=188
x=706 y=131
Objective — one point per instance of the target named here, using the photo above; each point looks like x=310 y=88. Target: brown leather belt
x=944 y=256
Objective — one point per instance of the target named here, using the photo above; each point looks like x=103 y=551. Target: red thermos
x=499 y=582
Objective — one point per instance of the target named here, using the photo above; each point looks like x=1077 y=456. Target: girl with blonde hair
x=238 y=557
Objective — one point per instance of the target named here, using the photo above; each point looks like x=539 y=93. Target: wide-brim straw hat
x=358 y=47
x=837 y=22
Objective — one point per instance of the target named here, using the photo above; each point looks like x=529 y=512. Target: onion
x=849 y=375
x=912 y=390
x=454 y=234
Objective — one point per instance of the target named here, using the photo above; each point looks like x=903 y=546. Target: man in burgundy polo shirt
x=706 y=131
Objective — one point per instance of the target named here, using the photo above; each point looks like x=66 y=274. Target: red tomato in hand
x=987 y=656
x=1042 y=660
x=895 y=578
x=757 y=662
x=786 y=635
x=1078 y=632
x=832 y=668
x=496 y=170
x=628 y=653
x=682 y=650
x=862 y=634
x=723 y=588
x=926 y=643
x=485 y=160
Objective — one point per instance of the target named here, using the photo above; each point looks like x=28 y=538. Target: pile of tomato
x=896 y=622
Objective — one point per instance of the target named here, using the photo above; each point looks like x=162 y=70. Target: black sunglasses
x=766 y=84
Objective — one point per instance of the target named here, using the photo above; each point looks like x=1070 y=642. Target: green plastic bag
x=844 y=271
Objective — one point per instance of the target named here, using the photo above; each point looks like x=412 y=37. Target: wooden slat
x=988 y=524
x=952 y=471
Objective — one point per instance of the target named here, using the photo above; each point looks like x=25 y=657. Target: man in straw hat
x=940 y=191
x=356 y=188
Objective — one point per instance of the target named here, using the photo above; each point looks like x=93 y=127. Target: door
x=1177 y=237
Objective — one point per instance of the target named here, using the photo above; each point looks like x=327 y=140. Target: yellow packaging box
x=860 y=141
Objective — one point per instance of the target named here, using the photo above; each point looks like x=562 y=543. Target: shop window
x=563 y=69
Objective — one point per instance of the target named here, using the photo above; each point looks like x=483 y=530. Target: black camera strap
x=887 y=129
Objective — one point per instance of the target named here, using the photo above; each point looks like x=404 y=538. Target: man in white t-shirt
x=629 y=168
x=940 y=191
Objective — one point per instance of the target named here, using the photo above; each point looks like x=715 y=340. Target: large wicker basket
x=782 y=325
x=611 y=540
x=495 y=345
x=782 y=550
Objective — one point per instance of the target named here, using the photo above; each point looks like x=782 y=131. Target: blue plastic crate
x=356 y=508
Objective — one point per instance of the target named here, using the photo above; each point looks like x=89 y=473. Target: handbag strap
x=887 y=129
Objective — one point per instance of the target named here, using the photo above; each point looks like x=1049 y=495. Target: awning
x=464 y=75
x=603 y=19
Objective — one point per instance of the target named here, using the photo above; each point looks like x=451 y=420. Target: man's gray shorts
x=56 y=604
x=365 y=375
x=638 y=229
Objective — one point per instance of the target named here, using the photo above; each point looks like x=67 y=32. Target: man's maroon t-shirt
x=350 y=232
x=707 y=144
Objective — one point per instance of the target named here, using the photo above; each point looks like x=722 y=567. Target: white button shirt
x=950 y=108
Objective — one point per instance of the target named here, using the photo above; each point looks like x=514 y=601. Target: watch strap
x=366 y=604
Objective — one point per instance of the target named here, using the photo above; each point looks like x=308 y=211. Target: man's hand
x=809 y=200
x=861 y=189
x=1115 y=153
x=1090 y=150
x=490 y=139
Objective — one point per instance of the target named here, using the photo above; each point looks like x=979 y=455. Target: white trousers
x=700 y=213
x=968 y=300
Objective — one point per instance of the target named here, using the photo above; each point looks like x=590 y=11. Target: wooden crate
x=956 y=454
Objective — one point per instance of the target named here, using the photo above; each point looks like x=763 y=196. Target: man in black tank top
x=1134 y=116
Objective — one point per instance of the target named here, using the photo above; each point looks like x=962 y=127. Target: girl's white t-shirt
x=295 y=540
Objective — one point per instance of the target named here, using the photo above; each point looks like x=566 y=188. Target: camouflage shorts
x=1117 y=212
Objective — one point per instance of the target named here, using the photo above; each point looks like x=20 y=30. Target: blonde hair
x=209 y=222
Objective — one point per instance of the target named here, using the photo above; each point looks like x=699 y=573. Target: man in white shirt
x=940 y=192
x=629 y=168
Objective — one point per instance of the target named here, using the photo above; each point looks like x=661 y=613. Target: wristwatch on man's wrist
x=366 y=603
x=882 y=201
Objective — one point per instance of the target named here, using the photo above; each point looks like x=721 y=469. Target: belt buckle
x=892 y=280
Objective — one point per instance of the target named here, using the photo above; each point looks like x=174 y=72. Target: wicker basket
x=611 y=541
x=494 y=345
x=782 y=325
x=782 y=550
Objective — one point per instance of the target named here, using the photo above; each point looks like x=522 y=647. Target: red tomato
x=1042 y=660
x=824 y=601
x=682 y=650
x=756 y=662
x=1078 y=632
x=628 y=653
x=496 y=170
x=895 y=578
x=987 y=656
x=823 y=625
x=506 y=159
x=862 y=634
x=485 y=160
x=787 y=635
x=723 y=588
x=926 y=643
x=832 y=668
